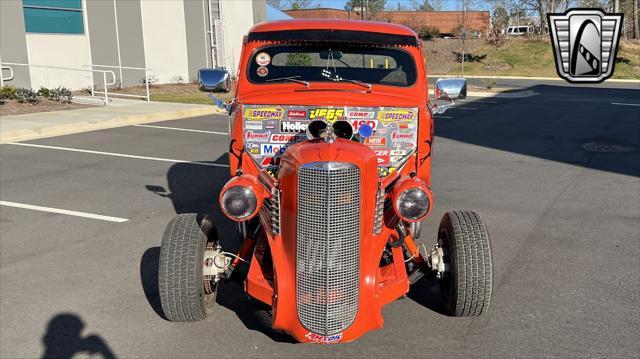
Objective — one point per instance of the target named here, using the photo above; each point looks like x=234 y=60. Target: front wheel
x=185 y=293
x=467 y=281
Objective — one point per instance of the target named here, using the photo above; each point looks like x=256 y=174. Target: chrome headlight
x=239 y=202
x=412 y=204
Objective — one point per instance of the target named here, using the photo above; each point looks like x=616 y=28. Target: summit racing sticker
x=387 y=117
x=322 y=339
x=265 y=113
x=328 y=114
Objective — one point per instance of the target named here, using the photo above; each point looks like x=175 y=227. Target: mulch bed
x=13 y=107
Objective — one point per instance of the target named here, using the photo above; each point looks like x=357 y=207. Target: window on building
x=53 y=16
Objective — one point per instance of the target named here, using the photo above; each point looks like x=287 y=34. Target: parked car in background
x=520 y=30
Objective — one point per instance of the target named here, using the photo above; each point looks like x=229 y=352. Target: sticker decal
x=297 y=114
x=328 y=114
x=270 y=128
x=322 y=339
x=395 y=116
x=293 y=126
x=263 y=59
x=360 y=114
x=265 y=113
x=376 y=141
x=252 y=136
x=287 y=138
x=262 y=71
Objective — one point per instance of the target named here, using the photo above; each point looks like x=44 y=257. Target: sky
x=339 y=4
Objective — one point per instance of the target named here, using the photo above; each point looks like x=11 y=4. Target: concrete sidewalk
x=121 y=113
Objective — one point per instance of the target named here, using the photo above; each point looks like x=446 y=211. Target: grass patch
x=534 y=57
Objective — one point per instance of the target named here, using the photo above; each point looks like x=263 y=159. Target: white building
x=172 y=38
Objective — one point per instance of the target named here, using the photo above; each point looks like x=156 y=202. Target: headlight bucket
x=412 y=200
x=242 y=197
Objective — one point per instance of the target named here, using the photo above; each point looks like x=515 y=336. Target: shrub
x=177 y=80
x=7 y=93
x=43 y=92
x=428 y=32
x=61 y=94
x=24 y=95
x=151 y=79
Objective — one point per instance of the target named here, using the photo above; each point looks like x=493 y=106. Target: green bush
x=43 y=92
x=7 y=93
x=24 y=95
x=61 y=94
x=428 y=32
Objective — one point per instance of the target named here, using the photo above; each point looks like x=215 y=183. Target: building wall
x=13 y=43
x=131 y=41
x=60 y=50
x=237 y=22
x=445 y=21
x=164 y=34
x=196 y=27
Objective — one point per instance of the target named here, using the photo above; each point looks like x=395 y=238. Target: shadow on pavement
x=64 y=339
x=555 y=125
x=194 y=189
x=427 y=293
x=149 y=278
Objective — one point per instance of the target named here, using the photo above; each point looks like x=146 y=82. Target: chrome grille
x=328 y=246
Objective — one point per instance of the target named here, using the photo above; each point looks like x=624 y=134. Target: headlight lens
x=412 y=204
x=239 y=202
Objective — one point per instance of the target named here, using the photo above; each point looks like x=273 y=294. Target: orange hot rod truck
x=331 y=135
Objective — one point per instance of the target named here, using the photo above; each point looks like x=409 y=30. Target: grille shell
x=328 y=246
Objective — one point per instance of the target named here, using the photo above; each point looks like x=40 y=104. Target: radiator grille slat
x=328 y=246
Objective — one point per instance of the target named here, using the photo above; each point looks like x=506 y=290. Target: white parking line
x=118 y=154
x=625 y=104
x=182 y=129
x=63 y=211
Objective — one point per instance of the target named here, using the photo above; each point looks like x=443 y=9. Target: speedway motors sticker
x=270 y=129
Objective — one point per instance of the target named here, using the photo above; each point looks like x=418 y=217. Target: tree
x=423 y=5
x=301 y=4
x=278 y=4
x=371 y=7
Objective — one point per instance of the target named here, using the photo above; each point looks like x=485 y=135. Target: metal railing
x=2 y=78
x=104 y=73
x=120 y=68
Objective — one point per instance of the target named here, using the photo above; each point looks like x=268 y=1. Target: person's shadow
x=64 y=339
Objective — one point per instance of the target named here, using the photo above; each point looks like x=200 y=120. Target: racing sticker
x=262 y=71
x=269 y=129
x=264 y=113
x=327 y=114
x=387 y=117
x=263 y=59
x=323 y=339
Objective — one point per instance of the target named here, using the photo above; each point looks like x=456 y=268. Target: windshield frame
x=258 y=49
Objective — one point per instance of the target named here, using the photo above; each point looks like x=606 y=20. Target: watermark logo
x=585 y=42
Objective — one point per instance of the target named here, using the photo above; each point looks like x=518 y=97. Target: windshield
x=332 y=63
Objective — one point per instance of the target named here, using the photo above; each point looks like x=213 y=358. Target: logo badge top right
x=585 y=42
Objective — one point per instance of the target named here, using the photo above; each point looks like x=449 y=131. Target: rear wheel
x=185 y=293
x=466 y=283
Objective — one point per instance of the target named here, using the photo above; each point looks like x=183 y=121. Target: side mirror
x=446 y=91
x=451 y=89
x=214 y=80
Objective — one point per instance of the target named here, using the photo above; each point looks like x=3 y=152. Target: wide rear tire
x=467 y=284
x=181 y=285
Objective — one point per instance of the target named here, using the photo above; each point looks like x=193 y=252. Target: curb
x=527 y=78
x=87 y=126
x=521 y=94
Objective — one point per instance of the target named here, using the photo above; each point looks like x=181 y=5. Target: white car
x=519 y=30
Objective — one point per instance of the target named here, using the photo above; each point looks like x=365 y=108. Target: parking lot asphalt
x=564 y=223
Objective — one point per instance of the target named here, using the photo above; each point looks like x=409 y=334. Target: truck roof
x=334 y=30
